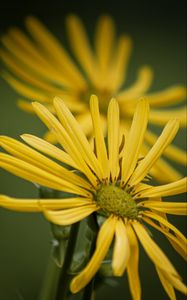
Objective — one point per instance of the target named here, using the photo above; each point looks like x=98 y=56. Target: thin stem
x=63 y=283
x=50 y=281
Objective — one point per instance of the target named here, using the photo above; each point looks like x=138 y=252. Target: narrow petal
x=106 y=234
x=23 y=205
x=177 y=208
x=176 y=241
x=166 y=224
x=119 y=63
x=176 y=282
x=23 y=73
x=135 y=139
x=62 y=136
x=171 y=95
x=172 y=151
x=113 y=138
x=36 y=205
x=74 y=130
x=121 y=252
x=71 y=215
x=33 y=157
x=34 y=66
x=160 y=117
x=98 y=134
x=104 y=42
x=81 y=47
x=164 y=172
x=156 y=151
x=24 y=89
x=49 y=149
x=85 y=121
x=166 y=284
x=137 y=89
x=32 y=173
x=173 y=188
x=153 y=251
x=25 y=106
x=55 y=51
x=132 y=266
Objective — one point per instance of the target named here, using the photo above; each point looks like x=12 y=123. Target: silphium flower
x=111 y=180
x=41 y=68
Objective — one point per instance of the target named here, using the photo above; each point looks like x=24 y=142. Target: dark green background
x=158 y=31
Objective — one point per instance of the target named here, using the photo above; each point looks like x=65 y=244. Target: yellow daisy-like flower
x=40 y=68
x=111 y=180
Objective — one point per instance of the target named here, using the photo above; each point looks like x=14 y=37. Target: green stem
x=50 y=281
x=63 y=282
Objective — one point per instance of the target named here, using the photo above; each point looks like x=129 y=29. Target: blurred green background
x=158 y=32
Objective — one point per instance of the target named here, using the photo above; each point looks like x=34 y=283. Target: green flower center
x=114 y=200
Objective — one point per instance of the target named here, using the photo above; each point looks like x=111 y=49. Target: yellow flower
x=112 y=180
x=40 y=68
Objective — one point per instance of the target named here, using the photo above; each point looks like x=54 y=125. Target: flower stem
x=50 y=281
x=63 y=282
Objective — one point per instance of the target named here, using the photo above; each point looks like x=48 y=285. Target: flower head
x=41 y=68
x=110 y=180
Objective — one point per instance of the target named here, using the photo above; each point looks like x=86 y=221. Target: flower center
x=114 y=200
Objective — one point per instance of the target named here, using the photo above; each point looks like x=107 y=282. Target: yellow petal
x=135 y=139
x=166 y=284
x=132 y=266
x=25 y=90
x=64 y=139
x=22 y=73
x=25 y=105
x=177 y=208
x=176 y=282
x=49 y=149
x=34 y=66
x=85 y=122
x=113 y=138
x=153 y=251
x=33 y=157
x=160 y=117
x=119 y=63
x=156 y=151
x=55 y=52
x=81 y=47
x=76 y=134
x=105 y=235
x=121 y=250
x=38 y=205
x=137 y=89
x=172 y=151
x=173 y=188
x=166 y=224
x=71 y=215
x=23 y=205
x=98 y=134
x=104 y=40
x=164 y=172
x=32 y=173
x=175 y=241
x=171 y=95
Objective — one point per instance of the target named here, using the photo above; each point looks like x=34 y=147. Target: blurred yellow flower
x=40 y=68
x=112 y=181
